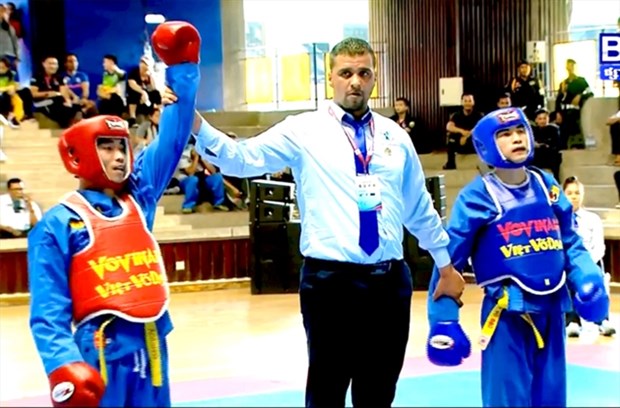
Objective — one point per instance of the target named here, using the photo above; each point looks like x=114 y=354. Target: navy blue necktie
x=576 y=222
x=369 y=224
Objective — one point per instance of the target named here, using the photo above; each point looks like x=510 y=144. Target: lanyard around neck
x=364 y=161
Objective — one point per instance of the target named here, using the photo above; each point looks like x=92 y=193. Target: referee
x=358 y=181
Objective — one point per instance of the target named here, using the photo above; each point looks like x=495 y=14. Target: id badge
x=368 y=192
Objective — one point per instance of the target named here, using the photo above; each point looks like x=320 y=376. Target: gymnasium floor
x=233 y=349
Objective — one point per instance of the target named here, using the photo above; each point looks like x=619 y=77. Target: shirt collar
x=340 y=113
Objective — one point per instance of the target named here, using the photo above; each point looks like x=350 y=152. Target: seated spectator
x=614 y=131
x=200 y=182
x=142 y=96
x=78 y=85
x=18 y=213
x=11 y=105
x=111 y=91
x=503 y=101
x=547 y=153
x=459 y=129
x=51 y=96
x=149 y=129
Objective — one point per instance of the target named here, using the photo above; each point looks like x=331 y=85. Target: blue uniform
x=60 y=235
x=524 y=252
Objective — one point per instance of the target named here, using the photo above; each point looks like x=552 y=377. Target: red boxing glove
x=176 y=42
x=76 y=385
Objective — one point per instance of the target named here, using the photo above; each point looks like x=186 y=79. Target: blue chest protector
x=523 y=242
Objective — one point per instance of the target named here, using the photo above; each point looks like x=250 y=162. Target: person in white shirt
x=358 y=181
x=18 y=213
x=590 y=227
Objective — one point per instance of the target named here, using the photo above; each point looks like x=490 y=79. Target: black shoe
x=449 y=166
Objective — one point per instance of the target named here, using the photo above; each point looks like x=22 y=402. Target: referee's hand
x=451 y=284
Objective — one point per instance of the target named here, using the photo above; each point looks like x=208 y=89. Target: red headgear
x=78 y=149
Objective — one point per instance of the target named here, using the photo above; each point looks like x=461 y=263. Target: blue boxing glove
x=591 y=301
x=447 y=345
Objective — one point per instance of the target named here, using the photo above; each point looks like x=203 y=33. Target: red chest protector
x=121 y=271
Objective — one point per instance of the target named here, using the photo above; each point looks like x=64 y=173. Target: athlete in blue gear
x=516 y=225
x=93 y=261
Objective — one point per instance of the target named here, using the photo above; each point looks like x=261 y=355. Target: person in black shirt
x=547 y=153
x=503 y=100
x=614 y=131
x=573 y=93
x=402 y=116
x=50 y=95
x=526 y=92
x=459 y=130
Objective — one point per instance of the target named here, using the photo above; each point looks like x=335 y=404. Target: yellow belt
x=152 y=347
x=493 y=319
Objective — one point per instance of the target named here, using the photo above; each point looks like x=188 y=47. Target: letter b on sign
x=609 y=48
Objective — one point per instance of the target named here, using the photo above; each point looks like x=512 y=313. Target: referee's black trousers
x=357 y=327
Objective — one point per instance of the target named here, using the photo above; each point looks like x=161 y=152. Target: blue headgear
x=483 y=137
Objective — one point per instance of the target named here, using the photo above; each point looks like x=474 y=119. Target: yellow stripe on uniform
x=100 y=344
x=488 y=329
x=154 y=352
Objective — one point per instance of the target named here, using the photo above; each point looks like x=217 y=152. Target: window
x=284 y=56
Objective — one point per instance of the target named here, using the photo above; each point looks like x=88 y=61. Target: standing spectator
x=573 y=93
x=614 y=131
x=15 y=19
x=526 y=91
x=9 y=43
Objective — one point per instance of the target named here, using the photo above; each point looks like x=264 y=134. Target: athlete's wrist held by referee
x=447 y=270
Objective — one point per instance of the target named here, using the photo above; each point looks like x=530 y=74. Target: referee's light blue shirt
x=315 y=147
